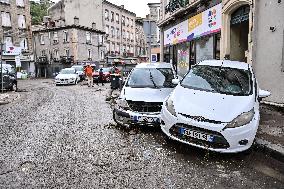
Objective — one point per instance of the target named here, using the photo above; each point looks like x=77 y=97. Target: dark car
x=8 y=77
x=106 y=76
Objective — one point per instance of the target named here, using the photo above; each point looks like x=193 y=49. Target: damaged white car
x=143 y=94
x=215 y=107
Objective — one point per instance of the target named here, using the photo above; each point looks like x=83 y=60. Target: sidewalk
x=270 y=135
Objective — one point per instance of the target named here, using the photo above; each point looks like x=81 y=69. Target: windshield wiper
x=151 y=78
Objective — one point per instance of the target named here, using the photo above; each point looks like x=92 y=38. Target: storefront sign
x=204 y=23
x=12 y=50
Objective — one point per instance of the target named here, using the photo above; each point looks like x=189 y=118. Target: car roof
x=69 y=69
x=154 y=65
x=227 y=63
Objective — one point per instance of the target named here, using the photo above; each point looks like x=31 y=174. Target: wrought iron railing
x=175 y=5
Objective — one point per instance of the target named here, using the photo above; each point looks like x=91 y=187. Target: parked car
x=8 y=77
x=106 y=77
x=215 y=107
x=142 y=96
x=80 y=71
x=67 y=76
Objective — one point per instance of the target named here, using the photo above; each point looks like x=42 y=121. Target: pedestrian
x=101 y=77
x=89 y=73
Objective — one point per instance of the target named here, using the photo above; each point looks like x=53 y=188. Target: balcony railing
x=175 y=5
x=66 y=59
x=42 y=60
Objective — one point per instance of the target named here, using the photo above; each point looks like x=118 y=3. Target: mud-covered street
x=64 y=137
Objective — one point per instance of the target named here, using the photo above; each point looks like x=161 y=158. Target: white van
x=143 y=94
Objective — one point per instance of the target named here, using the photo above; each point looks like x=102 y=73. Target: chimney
x=122 y=6
x=94 y=25
x=76 y=20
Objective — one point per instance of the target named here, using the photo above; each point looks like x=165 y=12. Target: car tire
x=76 y=82
x=14 y=87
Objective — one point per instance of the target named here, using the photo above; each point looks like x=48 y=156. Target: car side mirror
x=175 y=81
x=263 y=94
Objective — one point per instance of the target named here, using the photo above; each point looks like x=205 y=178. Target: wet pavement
x=64 y=137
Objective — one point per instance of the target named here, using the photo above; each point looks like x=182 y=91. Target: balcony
x=175 y=5
x=66 y=59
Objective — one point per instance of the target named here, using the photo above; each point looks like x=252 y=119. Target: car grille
x=201 y=119
x=139 y=106
x=63 y=79
x=219 y=140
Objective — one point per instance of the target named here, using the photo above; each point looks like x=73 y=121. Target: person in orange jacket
x=89 y=73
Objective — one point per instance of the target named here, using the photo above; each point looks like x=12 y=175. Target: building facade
x=119 y=25
x=243 y=30
x=140 y=41
x=15 y=33
x=60 y=47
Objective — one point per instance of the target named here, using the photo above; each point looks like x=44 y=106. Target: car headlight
x=170 y=106
x=241 y=120
x=122 y=103
x=72 y=78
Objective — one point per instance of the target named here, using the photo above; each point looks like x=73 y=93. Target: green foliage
x=38 y=11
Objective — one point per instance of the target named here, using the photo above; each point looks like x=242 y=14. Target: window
x=131 y=23
x=56 y=54
x=127 y=21
x=24 y=44
x=124 y=48
x=22 y=21
x=106 y=14
x=127 y=35
x=112 y=16
x=41 y=38
x=67 y=52
x=101 y=39
x=123 y=34
x=117 y=33
x=89 y=54
x=112 y=32
x=128 y=48
x=117 y=47
x=107 y=30
x=8 y=41
x=107 y=47
x=117 y=18
x=65 y=37
x=131 y=49
x=131 y=36
x=123 y=20
x=43 y=53
x=20 y=3
x=6 y=19
x=88 y=38
x=55 y=37
x=112 y=47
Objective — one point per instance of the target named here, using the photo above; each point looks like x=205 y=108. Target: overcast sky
x=138 y=6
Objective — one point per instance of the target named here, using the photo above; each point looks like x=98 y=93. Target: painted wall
x=268 y=48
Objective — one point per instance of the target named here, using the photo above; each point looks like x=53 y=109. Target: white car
x=215 y=107
x=67 y=76
x=143 y=94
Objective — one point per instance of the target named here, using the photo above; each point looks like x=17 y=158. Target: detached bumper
x=127 y=118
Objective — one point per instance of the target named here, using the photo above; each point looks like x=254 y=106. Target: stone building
x=243 y=30
x=119 y=25
x=140 y=41
x=15 y=33
x=64 y=46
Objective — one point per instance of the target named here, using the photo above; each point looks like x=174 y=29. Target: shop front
x=193 y=40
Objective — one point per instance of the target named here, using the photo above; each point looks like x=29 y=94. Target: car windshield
x=217 y=79
x=78 y=68
x=67 y=72
x=104 y=70
x=151 y=77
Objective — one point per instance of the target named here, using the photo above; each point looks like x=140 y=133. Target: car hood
x=145 y=94
x=65 y=76
x=212 y=106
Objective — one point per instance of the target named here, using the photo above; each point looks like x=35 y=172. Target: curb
x=273 y=150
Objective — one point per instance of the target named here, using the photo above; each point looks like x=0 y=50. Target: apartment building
x=15 y=33
x=60 y=47
x=119 y=25
x=140 y=41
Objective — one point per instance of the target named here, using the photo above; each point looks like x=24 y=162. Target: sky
x=137 y=6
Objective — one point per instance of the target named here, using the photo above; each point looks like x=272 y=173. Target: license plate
x=196 y=134
x=145 y=119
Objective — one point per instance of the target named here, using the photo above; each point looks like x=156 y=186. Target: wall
x=268 y=48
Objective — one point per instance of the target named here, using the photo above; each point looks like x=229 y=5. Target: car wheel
x=76 y=82
x=14 y=87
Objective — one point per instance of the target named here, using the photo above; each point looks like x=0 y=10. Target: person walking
x=101 y=77
x=89 y=73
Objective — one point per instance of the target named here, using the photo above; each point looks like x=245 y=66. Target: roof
x=226 y=63
x=154 y=65
x=69 y=27
x=119 y=7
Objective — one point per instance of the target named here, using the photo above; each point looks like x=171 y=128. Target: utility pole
x=1 y=66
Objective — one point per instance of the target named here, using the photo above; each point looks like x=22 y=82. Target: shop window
x=192 y=59
x=182 y=65
x=217 y=46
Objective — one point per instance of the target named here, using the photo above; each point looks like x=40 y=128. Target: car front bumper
x=227 y=140
x=128 y=118
x=65 y=81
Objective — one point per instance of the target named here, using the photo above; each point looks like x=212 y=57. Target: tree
x=39 y=10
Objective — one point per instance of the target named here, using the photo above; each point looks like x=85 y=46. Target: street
x=64 y=137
